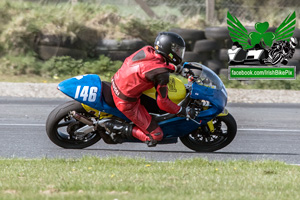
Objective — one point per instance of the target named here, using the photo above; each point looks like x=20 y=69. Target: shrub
x=28 y=21
x=65 y=67
x=19 y=65
x=103 y=66
x=145 y=30
x=58 y=67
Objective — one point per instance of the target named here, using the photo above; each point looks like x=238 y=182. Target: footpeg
x=106 y=137
x=152 y=142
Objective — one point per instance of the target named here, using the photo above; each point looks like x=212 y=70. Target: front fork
x=210 y=123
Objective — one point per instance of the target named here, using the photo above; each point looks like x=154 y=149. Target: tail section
x=86 y=89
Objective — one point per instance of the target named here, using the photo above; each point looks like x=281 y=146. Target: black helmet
x=171 y=46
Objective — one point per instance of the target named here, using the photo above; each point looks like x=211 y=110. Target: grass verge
x=126 y=178
x=27 y=79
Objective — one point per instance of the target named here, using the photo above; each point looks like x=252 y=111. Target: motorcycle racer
x=281 y=51
x=148 y=67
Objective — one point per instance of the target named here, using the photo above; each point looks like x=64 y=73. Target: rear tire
x=217 y=33
x=190 y=36
x=214 y=65
x=205 y=46
x=59 y=127
x=202 y=141
x=223 y=55
x=190 y=56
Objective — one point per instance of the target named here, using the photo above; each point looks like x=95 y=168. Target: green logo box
x=261 y=73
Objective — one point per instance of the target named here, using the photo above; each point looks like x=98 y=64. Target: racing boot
x=118 y=131
x=151 y=138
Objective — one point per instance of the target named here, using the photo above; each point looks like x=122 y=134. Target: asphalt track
x=265 y=131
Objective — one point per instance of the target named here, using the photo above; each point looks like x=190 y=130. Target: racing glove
x=185 y=72
x=187 y=112
x=178 y=69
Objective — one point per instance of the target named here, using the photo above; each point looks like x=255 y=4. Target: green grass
x=125 y=178
x=26 y=79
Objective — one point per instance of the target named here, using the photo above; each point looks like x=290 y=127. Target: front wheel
x=60 y=127
x=203 y=140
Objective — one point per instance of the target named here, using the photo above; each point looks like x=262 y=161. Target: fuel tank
x=176 y=90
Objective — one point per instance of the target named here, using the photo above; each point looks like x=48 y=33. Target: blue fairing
x=87 y=90
x=217 y=99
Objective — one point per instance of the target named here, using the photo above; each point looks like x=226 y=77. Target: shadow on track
x=193 y=152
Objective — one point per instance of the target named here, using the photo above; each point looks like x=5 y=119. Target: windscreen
x=207 y=77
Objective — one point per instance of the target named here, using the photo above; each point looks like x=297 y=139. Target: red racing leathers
x=141 y=71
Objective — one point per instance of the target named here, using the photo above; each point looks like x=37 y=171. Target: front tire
x=60 y=127
x=202 y=140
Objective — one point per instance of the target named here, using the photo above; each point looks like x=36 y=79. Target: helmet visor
x=179 y=50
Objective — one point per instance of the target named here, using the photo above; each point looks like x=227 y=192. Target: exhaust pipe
x=87 y=121
x=81 y=118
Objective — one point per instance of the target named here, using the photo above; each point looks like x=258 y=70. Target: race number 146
x=87 y=93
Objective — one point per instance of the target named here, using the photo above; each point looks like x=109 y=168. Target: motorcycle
x=80 y=123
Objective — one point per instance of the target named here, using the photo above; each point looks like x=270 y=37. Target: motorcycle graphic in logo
x=261 y=47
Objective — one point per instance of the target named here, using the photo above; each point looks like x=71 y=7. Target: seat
x=149 y=103
x=106 y=94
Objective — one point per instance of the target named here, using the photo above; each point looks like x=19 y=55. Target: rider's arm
x=163 y=102
x=178 y=69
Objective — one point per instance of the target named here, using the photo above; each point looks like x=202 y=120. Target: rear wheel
x=202 y=140
x=60 y=127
